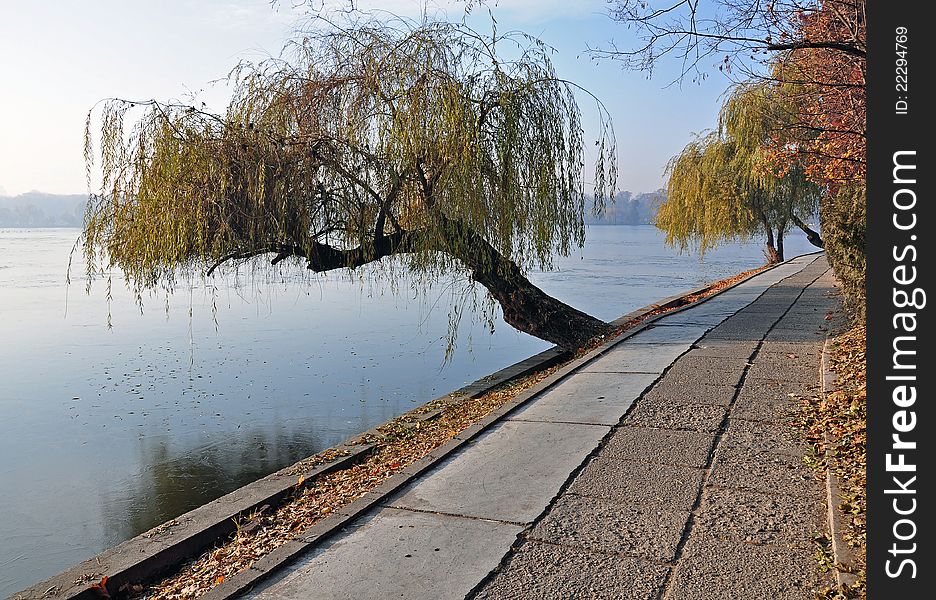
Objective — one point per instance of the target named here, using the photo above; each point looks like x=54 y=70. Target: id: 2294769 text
x=901 y=70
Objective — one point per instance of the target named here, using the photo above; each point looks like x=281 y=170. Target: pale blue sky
x=58 y=57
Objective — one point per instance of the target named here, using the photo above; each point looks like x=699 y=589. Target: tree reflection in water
x=173 y=481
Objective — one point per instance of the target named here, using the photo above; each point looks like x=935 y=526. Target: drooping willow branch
x=367 y=141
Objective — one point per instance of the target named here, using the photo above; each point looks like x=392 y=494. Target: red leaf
x=100 y=588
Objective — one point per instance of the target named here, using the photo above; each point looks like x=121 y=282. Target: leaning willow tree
x=728 y=184
x=414 y=142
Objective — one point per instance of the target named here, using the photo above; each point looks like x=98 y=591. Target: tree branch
x=806 y=44
x=325 y=257
x=811 y=235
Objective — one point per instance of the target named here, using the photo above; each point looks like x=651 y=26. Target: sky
x=59 y=57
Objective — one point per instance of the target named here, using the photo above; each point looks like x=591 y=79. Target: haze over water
x=107 y=433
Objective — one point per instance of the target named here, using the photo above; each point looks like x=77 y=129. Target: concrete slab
x=804 y=380
x=795 y=282
x=730 y=348
x=796 y=348
x=802 y=322
x=741 y=302
x=636 y=358
x=772 y=277
x=804 y=360
x=596 y=398
x=766 y=305
x=669 y=392
x=756 y=518
x=770 y=400
x=668 y=415
x=629 y=482
x=691 y=368
x=814 y=309
x=597 y=525
x=397 y=554
x=714 y=569
x=766 y=278
x=776 y=367
x=504 y=479
x=682 y=334
x=760 y=472
x=510 y=474
x=757 y=325
x=797 y=335
x=701 y=322
x=547 y=572
x=754 y=437
x=660 y=446
x=722 y=306
x=737 y=333
x=817 y=301
x=743 y=295
x=768 y=318
x=799 y=314
x=760 y=283
x=755 y=405
x=729 y=302
x=702 y=315
x=787 y=290
x=758 y=321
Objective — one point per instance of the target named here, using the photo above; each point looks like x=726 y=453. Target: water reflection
x=173 y=481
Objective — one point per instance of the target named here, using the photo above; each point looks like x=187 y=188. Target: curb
x=156 y=551
x=842 y=553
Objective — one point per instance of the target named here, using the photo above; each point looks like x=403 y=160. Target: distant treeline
x=35 y=209
x=628 y=209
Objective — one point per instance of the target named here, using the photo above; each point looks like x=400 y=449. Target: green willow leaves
x=726 y=185
x=368 y=132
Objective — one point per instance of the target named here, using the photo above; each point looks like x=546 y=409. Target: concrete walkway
x=662 y=469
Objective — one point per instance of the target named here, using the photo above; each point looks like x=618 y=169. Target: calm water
x=106 y=433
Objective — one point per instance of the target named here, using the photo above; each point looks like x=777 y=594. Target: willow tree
x=414 y=142
x=725 y=185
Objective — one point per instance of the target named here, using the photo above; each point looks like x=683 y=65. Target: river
x=107 y=432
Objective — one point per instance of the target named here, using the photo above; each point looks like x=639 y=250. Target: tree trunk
x=771 y=250
x=532 y=311
x=812 y=236
x=780 y=244
x=525 y=306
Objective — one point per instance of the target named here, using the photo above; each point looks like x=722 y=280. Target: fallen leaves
x=100 y=588
x=842 y=414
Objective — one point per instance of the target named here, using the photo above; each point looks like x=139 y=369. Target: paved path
x=662 y=469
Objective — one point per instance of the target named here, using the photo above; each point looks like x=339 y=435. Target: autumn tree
x=828 y=88
x=414 y=142
x=812 y=52
x=738 y=37
x=725 y=186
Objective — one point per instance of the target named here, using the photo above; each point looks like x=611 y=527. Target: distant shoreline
x=39 y=210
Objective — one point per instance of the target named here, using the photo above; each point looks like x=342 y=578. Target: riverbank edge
x=158 y=550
